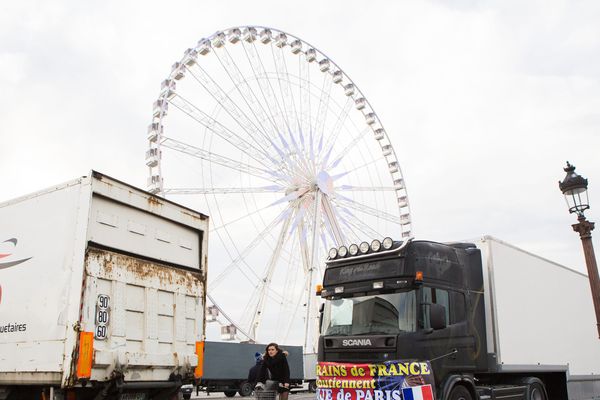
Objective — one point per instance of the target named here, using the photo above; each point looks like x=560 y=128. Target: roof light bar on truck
x=366 y=250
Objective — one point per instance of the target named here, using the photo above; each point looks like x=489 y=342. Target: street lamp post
x=574 y=187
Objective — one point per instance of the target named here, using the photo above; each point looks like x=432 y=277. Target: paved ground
x=221 y=396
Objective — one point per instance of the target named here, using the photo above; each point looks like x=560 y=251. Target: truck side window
x=435 y=296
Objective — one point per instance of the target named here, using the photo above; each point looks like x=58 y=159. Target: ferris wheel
x=270 y=138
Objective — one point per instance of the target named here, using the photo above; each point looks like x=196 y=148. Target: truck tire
x=245 y=389
x=535 y=389
x=459 y=392
x=230 y=393
x=312 y=386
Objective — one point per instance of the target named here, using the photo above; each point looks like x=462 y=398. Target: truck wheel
x=459 y=392
x=536 y=390
x=312 y=386
x=245 y=389
x=229 y=393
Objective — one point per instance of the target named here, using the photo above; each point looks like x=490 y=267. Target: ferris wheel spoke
x=270 y=98
x=286 y=315
x=322 y=111
x=235 y=264
x=314 y=258
x=305 y=95
x=289 y=108
x=303 y=246
x=217 y=159
x=355 y=169
x=245 y=90
x=356 y=225
x=298 y=219
x=266 y=89
x=266 y=281
x=254 y=132
x=348 y=221
x=226 y=190
x=323 y=108
x=289 y=104
x=344 y=201
x=344 y=152
x=305 y=289
x=218 y=129
x=339 y=123
x=331 y=218
x=252 y=99
x=227 y=317
x=350 y=188
x=224 y=225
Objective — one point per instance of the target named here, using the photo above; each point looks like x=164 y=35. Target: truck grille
x=356 y=356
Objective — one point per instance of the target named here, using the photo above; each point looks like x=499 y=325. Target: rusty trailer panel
x=155 y=316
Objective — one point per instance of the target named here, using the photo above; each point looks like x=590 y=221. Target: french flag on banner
x=417 y=393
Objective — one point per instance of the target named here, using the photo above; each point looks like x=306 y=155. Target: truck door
x=456 y=334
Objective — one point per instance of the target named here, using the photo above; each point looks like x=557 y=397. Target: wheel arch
x=453 y=380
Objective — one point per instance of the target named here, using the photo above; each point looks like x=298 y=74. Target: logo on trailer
x=12 y=243
x=356 y=342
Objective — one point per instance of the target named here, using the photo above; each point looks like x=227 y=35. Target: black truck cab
x=419 y=300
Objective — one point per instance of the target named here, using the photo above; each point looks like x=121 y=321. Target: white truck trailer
x=495 y=321
x=102 y=293
x=540 y=318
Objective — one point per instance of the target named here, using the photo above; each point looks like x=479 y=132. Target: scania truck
x=493 y=321
x=102 y=293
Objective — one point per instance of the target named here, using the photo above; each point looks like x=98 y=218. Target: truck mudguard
x=452 y=380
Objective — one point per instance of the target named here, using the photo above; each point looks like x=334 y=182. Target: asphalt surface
x=304 y=395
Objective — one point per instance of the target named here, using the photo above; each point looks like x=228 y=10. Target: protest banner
x=390 y=380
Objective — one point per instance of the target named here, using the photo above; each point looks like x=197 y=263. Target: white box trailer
x=102 y=292
x=540 y=317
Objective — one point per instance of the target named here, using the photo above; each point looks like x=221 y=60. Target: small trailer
x=226 y=366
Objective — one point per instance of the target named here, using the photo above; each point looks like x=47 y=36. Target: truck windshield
x=380 y=314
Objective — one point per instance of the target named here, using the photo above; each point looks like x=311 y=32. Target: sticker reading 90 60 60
x=102 y=308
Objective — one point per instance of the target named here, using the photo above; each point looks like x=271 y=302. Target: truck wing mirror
x=437 y=316
x=321 y=308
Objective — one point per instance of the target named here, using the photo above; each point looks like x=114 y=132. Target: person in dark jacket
x=255 y=370
x=275 y=367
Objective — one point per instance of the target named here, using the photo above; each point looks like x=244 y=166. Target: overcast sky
x=484 y=101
